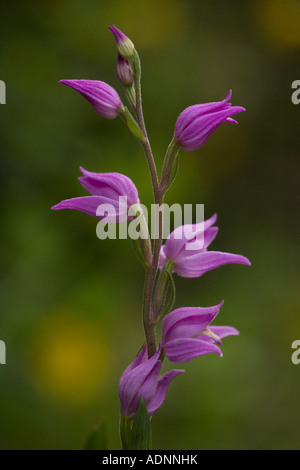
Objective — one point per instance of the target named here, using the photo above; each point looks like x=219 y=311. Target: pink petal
x=188 y=321
x=87 y=204
x=161 y=390
x=185 y=349
x=96 y=183
x=133 y=378
x=197 y=265
x=181 y=235
x=224 y=331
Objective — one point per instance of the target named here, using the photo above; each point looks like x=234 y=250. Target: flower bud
x=124 y=44
x=104 y=99
x=124 y=71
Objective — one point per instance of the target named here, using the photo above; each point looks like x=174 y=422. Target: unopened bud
x=124 y=44
x=124 y=71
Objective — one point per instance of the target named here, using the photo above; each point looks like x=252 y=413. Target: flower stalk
x=186 y=332
x=151 y=272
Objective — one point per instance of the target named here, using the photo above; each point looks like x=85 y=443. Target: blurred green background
x=70 y=303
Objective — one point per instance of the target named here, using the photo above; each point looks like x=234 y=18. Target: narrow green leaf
x=125 y=431
x=97 y=439
x=141 y=435
x=136 y=244
x=136 y=64
x=170 y=165
x=133 y=126
x=169 y=305
x=174 y=172
x=130 y=95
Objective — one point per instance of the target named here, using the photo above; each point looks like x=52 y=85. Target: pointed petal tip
x=61 y=205
x=56 y=207
x=214 y=217
x=242 y=260
x=217 y=307
x=83 y=171
x=238 y=109
x=228 y=96
x=231 y=121
x=70 y=83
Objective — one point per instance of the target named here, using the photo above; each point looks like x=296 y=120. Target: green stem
x=140 y=118
x=149 y=324
x=149 y=327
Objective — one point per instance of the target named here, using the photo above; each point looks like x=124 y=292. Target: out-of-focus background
x=70 y=303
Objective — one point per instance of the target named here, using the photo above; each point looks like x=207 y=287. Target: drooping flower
x=124 y=44
x=104 y=99
x=142 y=379
x=186 y=334
x=196 y=123
x=189 y=262
x=107 y=190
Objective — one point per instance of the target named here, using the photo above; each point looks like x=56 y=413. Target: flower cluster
x=187 y=332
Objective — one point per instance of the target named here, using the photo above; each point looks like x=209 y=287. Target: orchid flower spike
x=196 y=123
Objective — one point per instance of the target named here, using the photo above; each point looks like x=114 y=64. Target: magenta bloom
x=186 y=334
x=104 y=99
x=195 y=262
x=142 y=379
x=108 y=189
x=196 y=123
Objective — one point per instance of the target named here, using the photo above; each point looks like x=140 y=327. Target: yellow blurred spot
x=69 y=358
x=280 y=21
